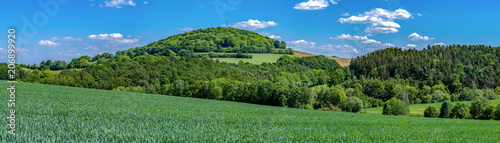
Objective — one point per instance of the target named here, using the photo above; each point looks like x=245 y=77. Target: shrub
x=445 y=109
x=478 y=106
x=354 y=104
x=460 y=111
x=497 y=113
x=490 y=94
x=308 y=107
x=431 y=112
x=488 y=113
x=396 y=107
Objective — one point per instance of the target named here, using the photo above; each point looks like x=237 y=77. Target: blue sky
x=66 y=29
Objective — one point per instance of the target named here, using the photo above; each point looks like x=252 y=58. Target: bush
x=445 y=109
x=478 y=106
x=431 y=112
x=396 y=107
x=354 y=104
x=308 y=107
x=488 y=113
x=496 y=114
x=460 y=111
x=489 y=94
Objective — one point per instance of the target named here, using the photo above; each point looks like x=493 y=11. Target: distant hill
x=216 y=39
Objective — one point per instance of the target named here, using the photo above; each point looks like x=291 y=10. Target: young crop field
x=418 y=109
x=48 y=113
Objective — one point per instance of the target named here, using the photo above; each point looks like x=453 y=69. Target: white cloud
x=254 y=24
x=381 y=20
x=355 y=51
x=118 y=3
x=344 y=37
x=145 y=2
x=362 y=39
x=113 y=38
x=186 y=29
x=69 y=38
x=380 y=30
x=48 y=43
x=345 y=14
x=127 y=41
x=106 y=36
x=440 y=43
x=300 y=44
x=417 y=37
x=313 y=5
x=411 y=45
x=275 y=37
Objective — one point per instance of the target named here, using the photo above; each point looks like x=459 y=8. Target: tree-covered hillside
x=456 y=66
x=216 y=39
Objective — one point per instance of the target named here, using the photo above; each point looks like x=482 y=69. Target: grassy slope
x=256 y=59
x=420 y=108
x=55 y=114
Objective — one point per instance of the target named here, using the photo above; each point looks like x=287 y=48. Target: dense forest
x=394 y=76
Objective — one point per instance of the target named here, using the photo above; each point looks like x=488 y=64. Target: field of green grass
x=48 y=113
x=256 y=59
x=418 y=109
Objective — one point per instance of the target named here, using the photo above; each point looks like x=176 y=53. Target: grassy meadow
x=48 y=113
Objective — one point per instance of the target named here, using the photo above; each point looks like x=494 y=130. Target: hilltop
x=216 y=39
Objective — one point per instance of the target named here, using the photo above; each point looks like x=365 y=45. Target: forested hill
x=216 y=39
x=456 y=66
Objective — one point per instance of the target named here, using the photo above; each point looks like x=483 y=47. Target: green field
x=256 y=59
x=48 y=113
x=418 y=109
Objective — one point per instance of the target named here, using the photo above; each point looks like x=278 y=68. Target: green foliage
x=354 y=104
x=336 y=78
x=438 y=96
x=478 y=106
x=217 y=39
x=460 y=111
x=445 y=109
x=455 y=66
x=430 y=111
x=331 y=96
x=488 y=113
x=308 y=107
x=282 y=100
x=496 y=114
x=396 y=107
x=497 y=91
